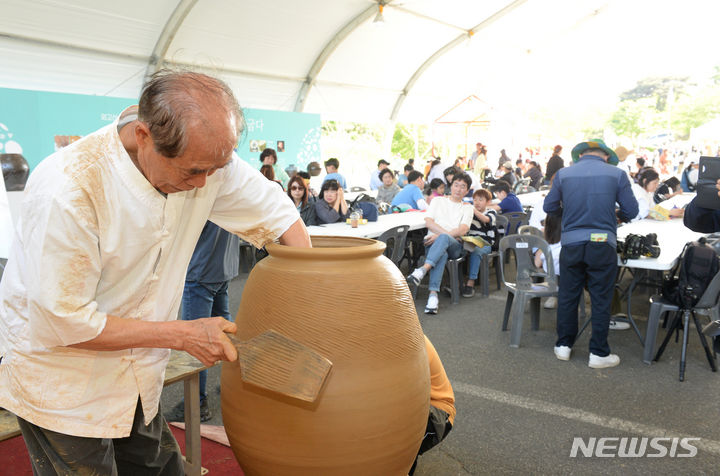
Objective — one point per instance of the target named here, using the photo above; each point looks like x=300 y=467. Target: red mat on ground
x=217 y=458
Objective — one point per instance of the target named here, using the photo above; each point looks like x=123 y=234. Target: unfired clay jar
x=346 y=301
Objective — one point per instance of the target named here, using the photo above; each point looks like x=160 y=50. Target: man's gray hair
x=171 y=100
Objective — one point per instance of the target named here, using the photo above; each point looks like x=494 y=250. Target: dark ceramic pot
x=15 y=170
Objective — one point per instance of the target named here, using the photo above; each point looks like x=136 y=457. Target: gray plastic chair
x=453 y=268
x=515 y=221
x=530 y=230
x=357 y=189
x=247 y=256
x=707 y=305
x=524 y=288
x=395 y=239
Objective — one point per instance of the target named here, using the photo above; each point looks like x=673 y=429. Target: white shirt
x=449 y=214
x=645 y=201
x=95 y=238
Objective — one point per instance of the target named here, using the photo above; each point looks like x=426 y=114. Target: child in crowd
x=552 y=236
x=508 y=200
x=437 y=189
x=483 y=227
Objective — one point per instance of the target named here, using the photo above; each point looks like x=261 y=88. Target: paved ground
x=520 y=409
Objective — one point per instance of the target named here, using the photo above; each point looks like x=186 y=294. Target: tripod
x=682 y=320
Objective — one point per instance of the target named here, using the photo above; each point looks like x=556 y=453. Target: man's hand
x=430 y=239
x=207 y=342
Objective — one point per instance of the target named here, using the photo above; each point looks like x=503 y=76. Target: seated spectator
x=437 y=189
x=667 y=189
x=504 y=172
x=331 y=206
x=508 y=200
x=411 y=195
x=269 y=173
x=403 y=177
x=552 y=236
x=689 y=177
x=375 y=180
x=644 y=190
x=331 y=167
x=448 y=219
x=448 y=175
x=269 y=157
x=389 y=188
x=483 y=226
x=442 y=404
x=702 y=220
x=535 y=175
x=304 y=202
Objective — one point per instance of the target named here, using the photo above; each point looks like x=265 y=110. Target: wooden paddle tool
x=280 y=364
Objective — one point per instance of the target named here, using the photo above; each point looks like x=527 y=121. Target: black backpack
x=690 y=277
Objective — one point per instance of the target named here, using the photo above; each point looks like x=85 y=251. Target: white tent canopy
x=330 y=57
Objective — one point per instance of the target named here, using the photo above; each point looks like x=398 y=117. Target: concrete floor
x=519 y=409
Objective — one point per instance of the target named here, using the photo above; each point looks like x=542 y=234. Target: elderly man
x=586 y=194
x=89 y=300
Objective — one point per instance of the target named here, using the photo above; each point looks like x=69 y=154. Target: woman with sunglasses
x=331 y=206
x=299 y=194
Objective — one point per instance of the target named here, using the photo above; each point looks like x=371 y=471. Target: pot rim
x=351 y=248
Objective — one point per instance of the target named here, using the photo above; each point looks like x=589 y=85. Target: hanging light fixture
x=379 y=18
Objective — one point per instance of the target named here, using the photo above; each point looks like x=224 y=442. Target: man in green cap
x=585 y=194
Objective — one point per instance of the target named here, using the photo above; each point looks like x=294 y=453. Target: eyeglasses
x=297 y=188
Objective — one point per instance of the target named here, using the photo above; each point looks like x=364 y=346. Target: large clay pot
x=15 y=170
x=346 y=301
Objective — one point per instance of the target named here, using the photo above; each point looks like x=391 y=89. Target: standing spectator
x=375 y=180
x=214 y=263
x=508 y=200
x=448 y=218
x=303 y=200
x=554 y=164
x=269 y=157
x=586 y=194
x=436 y=170
x=331 y=206
x=411 y=195
x=478 y=159
x=389 y=188
x=483 y=226
x=403 y=177
x=331 y=168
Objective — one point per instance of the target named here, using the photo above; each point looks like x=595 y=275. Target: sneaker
x=619 y=325
x=550 y=303
x=562 y=352
x=205 y=413
x=432 y=304
x=597 y=362
x=416 y=276
x=468 y=291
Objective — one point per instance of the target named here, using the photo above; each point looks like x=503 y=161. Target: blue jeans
x=205 y=300
x=475 y=258
x=596 y=265
x=444 y=247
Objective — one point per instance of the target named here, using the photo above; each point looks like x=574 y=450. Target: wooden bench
x=182 y=367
